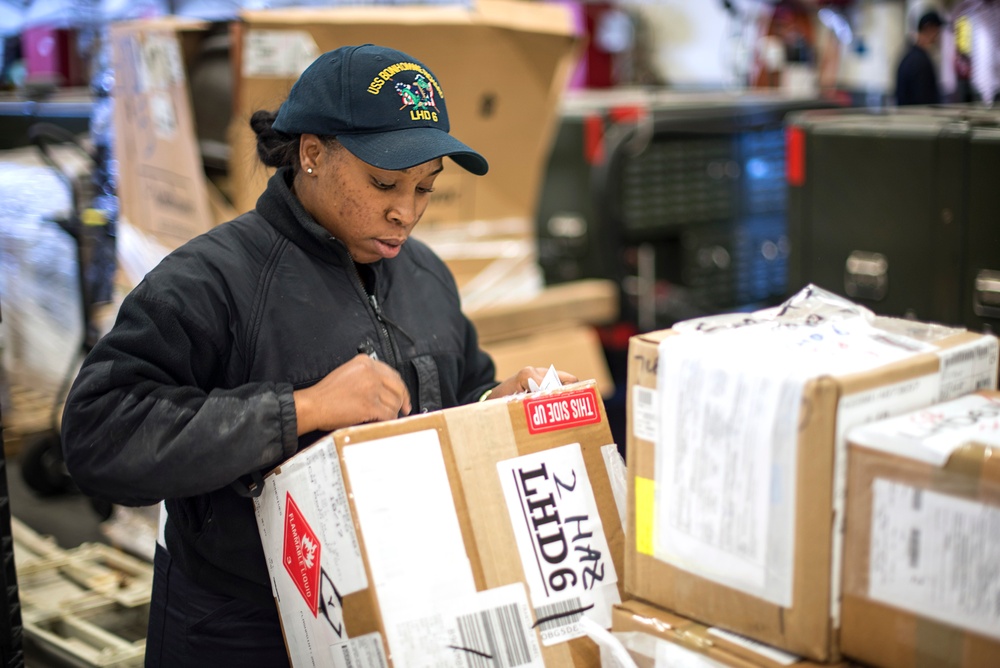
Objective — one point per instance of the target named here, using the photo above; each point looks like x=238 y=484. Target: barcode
x=494 y=638
x=914 y=548
x=557 y=615
x=962 y=357
x=347 y=655
x=644 y=397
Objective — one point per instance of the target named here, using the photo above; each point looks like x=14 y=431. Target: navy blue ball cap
x=931 y=18
x=384 y=106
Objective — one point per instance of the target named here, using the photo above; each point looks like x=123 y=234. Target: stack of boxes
x=808 y=485
x=921 y=582
x=750 y=512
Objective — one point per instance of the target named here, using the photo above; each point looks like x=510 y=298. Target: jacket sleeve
x=480 y=372
x=142 y=421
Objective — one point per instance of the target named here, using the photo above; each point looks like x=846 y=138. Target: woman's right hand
x=362 y=390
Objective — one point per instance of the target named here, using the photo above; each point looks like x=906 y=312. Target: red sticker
x=562 y=411
x=301 y=554
x=795 y=155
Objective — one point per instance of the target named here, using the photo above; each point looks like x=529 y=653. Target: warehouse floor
x=69 y=519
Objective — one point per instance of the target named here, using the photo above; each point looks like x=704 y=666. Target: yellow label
x=963 y=35
x=645 y=510
x=93 y=217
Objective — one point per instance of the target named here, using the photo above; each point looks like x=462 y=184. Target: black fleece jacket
x=191 y=390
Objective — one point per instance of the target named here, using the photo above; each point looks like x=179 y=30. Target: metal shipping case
x=679 y=196
x=898 y=210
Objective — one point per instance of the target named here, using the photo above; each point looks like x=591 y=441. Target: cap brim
x=402 y=149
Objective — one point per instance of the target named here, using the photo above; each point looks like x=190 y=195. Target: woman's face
x=371 y=210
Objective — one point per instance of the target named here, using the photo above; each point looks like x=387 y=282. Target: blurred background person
x=916 y=76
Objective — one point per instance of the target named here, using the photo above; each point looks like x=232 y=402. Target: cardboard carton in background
x=575 y=349
x=502 y=65
x=920 y=555
x=400 y=535
x=161 y=181
x=830 y=404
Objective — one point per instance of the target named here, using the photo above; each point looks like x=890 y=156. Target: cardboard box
x=656 y=638
x=161 y=181
x=575 y=349
x=591 y=301
x=502 y=64
x=411 y=537
x=737 y=455
x=922 y=546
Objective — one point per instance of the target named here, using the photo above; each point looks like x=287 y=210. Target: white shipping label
x=936 y=555
x=495 y=628
x=311 y=548
x=561 y=540
x=855 y=410
x=159 y=67
x=361 y=652
x=968 y=368
x=932 y=434
x=412 y=537
x=336 y=526
x=645 y=418
x=725 y=464
x=492 y=628
x=161 y=111
x=278 y=53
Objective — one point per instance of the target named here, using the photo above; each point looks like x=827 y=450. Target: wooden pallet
x=88 y=605
x=26 y=411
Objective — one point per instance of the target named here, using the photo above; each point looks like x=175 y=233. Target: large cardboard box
x=162 y=187
x=655 y=638
x=922 y=546
x=421 y=541
x=502 y=64
x=574 y=348
x=737 y=455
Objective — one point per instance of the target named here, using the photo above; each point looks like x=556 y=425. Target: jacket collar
x=282 y=209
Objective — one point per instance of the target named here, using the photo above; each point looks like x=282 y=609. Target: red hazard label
x=563 y=411
x=301 y=554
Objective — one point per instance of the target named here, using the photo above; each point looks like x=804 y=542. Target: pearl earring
x=309 y=170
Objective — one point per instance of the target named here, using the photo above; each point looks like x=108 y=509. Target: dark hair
x=930 y=18
x=276 y=148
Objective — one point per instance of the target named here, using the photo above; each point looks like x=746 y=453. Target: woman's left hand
x=519 y=381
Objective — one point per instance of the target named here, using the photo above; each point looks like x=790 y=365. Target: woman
x=312 y=312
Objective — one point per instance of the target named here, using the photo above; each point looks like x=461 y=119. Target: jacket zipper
x=373 y=302
x=385 y=330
